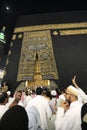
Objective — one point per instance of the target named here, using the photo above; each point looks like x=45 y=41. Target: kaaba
x=57 y=42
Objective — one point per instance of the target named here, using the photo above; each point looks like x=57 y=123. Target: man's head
x=18 y=95
x=3 y=98
x=9 y=93
x=39 y=91
x=53 y=93
x=71 y=93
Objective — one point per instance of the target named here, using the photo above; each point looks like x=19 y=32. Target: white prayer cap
x=62 y=97
x=9 y=93
x=72 y=90
x=53 y=93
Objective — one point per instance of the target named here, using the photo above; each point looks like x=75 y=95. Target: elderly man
x=68 y=115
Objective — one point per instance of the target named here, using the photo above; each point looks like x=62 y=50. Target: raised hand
x=74 y=82
x=74 y=79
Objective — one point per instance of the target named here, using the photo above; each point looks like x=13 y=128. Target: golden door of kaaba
x=37 y=62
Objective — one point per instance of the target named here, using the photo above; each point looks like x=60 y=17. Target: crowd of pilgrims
x=44 y=109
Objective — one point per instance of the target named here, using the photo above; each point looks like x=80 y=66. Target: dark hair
x=39 y=91
x=19 y=91
x=3 y=96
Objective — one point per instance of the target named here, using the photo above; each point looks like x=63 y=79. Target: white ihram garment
x=71 y=120
x=44 y=109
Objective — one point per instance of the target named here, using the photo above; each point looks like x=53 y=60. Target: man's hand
x=74 y=82
x=74 y=79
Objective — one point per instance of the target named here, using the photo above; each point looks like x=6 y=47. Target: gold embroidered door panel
x=37 y=61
